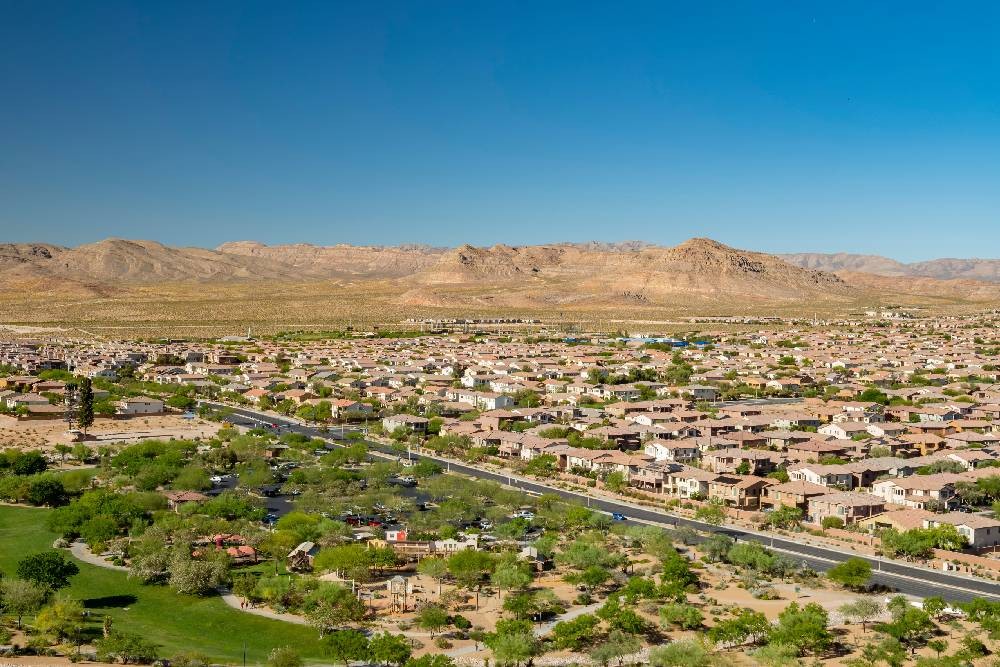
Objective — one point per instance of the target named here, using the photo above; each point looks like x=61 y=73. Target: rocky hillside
x=568 y=273
x=698 y=272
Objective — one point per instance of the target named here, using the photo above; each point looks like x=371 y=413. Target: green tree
x=81 y=452
x=432 y=618
x=543 y=465
x=575 y=633
x=63 y=618
x=805 y=628
x=616 y=647
x=853 y=573
x=197 y=577
x=939 y=646
x=431 y=660
x=47 y=568
x=786 y=516
x=682 y=653
x=435 y=568
x=862 y=610
x=889 y=651
x=681 y=615
x=85 y=407
x=511 y=650
x=346 y=645
x=20 y=597
x=181 y=402
x=747 y=625
x=716 y=547
x=192 y=478
x=331 y=605
x=469 y=567
x=46 y=491
x=616 y=482
x=63 y=450
x=711 y=513
x=910 y=625
x=510 y=576
x=389 y=649
x=777 y=655
x=934 y=605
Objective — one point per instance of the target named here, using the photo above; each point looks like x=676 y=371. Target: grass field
x=174 y=622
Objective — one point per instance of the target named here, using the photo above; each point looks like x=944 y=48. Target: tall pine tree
x=85 y=411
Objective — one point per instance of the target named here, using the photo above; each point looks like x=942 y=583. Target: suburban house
x=404 y=421
x=139 y=405
x=672 y=450
x=175 y=499
x=846 y=506
x=982 y=532
x=844 y=430
x=919 y=491
x=793 y=494
x=734 y=459
x=839 y=476
x=740 y=491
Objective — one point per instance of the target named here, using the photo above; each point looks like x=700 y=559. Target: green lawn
x=174 y=622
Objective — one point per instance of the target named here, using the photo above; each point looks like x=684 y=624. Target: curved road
x=909 y=579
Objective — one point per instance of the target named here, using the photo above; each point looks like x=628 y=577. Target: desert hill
x=699 y=274
x=698 y=269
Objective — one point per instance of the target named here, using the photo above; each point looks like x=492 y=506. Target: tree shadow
x=110 y=601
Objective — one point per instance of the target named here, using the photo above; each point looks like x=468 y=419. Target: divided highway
x=908 y=579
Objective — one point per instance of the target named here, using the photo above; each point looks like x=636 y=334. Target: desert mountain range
x=940 y=269
x=592 y=275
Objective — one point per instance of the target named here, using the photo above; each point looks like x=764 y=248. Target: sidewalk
x=233 y=601
x=82 y=552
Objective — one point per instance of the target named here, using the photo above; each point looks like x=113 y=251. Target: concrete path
x=234 y=601
x=82 y=552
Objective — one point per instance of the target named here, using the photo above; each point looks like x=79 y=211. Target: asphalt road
x=908 y=579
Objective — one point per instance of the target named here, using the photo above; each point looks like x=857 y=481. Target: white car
x=523 y=514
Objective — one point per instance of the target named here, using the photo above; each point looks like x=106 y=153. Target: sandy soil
x=46 y=434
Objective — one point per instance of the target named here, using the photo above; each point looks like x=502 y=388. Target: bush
x=284 y=656
x=126 y=647
x=832 y=522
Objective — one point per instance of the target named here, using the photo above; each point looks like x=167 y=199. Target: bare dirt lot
x=45 y=435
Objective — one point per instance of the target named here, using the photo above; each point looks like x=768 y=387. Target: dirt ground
x=45 y=435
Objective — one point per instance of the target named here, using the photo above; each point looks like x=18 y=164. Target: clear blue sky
x=780 y=126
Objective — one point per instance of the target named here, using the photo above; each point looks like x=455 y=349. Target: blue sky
x=854 y=126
